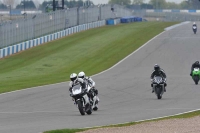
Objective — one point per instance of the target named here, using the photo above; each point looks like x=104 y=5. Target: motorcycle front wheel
x=80 y=107
x=158 y=93
x=196 y=80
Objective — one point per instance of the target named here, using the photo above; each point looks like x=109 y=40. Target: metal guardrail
x=169 y=15
x=47 y=38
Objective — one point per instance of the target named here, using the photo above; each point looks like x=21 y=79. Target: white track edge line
x=97 y=73
x=144 y=119
x=92 y=75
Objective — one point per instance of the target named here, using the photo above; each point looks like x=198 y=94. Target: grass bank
x=91 y=51
x=186 y=115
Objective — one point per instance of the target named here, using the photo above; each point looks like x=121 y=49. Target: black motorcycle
x=194 y=29
x=81 y=99
x=158 y=86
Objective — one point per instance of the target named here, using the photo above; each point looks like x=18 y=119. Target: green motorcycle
x=196 y=75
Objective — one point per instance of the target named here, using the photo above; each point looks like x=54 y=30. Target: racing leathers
x=91 y=83
x=161 y=73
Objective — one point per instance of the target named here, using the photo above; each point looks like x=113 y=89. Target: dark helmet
x=197 y=62
x=156 y=67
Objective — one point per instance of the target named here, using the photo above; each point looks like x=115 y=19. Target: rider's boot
x=152 y=88
x=165 y=87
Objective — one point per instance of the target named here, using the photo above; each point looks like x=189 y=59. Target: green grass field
x=91 y=51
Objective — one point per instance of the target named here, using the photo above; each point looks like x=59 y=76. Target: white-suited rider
x=90 y=81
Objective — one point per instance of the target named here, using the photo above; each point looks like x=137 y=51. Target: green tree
x=120 y=2
x=2 y=6
x=45 y=4
x=138 y=2
x=158 y=4
x=172 y=5
x=184 y=5
x=195 y=4
x=28 y=5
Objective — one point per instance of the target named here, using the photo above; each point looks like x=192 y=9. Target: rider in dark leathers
x=158 y=72
x=194 y=65
x=194 y=25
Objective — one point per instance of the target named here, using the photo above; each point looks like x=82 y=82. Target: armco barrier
x=130 y=19
x=171 y=10
x=35 y=42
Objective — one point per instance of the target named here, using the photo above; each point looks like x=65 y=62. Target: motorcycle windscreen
x=158 y=79
x=196 y=69
x=194 y=27
x=76 y=89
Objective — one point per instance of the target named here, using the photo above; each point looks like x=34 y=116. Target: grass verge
x=91 y=51
x=186 y=115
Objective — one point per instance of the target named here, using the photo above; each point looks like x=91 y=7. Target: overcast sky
x=100 y=1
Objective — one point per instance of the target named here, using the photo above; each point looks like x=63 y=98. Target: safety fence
x=37 y=25
x=169 y=15
x=47 y=38
x=170 y=10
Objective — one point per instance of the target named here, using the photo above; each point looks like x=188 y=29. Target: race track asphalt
x=124 y=91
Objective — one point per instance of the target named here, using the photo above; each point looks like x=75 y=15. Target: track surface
x=125 y=91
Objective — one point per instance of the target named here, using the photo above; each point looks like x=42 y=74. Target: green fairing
x=195 y=73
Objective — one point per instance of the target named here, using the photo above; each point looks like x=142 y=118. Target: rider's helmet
x=73 y=77
x=156 y=67
x=81 y=75
x=197 y=62
x=194 y=23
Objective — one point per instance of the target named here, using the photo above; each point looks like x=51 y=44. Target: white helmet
x=73 y=76
x=81 y=75
x=194 y=23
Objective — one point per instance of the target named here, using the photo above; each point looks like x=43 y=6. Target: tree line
x=30 y=4
x=133 y=4
x=158 y=4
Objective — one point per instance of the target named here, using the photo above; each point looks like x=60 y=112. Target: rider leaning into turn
x=158 y=72
x=194 y=65
x=89 y=80
x=75 y=80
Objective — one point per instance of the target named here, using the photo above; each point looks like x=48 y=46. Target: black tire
x=89 y=112
x=80 y=107
x=159 y=96
x=158 y=92
x=196 y=80
x=95 y=108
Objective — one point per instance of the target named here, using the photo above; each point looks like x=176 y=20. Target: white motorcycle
x=81 y=99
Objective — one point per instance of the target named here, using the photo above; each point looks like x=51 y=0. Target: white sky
x=104 y=1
